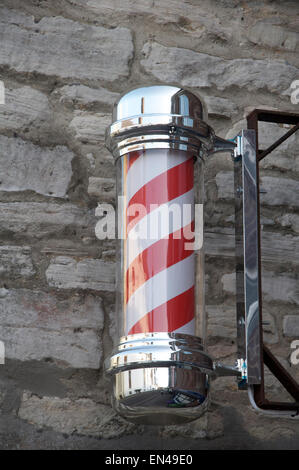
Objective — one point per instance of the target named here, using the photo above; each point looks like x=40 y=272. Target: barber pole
x=160 y=369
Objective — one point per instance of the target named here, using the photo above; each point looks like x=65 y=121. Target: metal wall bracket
x=248 y=266
x=247 y=249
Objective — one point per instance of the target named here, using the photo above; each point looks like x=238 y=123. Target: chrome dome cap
x=158 y=116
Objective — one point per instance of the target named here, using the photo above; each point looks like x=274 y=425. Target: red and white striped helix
x=158 y=271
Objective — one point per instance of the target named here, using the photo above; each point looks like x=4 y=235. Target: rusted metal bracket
x=257 y=353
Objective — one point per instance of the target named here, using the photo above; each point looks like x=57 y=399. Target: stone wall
x=64 y=63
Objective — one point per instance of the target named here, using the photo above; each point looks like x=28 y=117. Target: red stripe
x=157 y=257
x=170 y=316
x=163 y=188
x=133 y=156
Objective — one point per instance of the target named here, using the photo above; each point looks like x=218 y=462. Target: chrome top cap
x=158 y=116
x=159 y=99
x=161 y=116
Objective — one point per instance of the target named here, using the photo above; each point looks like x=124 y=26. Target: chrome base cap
x=160 y=395
x=160 y=378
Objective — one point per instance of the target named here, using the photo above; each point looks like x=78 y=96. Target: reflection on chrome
x=160 y=378
x=161 y=117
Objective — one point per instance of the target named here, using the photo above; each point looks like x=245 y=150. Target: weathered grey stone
x=237 y=127
x=41 y=310
x=276 y=287
x=229 y=283
x=273 y=36
x=38 y=219
x=180 y=13
x=222 y=321
x=78 y=348
x=189 y=68
x=64 y=248
x=225 y=186
x=276 y=248
x=82 y=416
x=208 y=426
x=22 y=107
x=278 y=191
x=65 y=272
x=108 y=255
x=291 y=326
x=83 y=96
x=103 y=188
x=57 y=46
x=220 y=107
x=38 y=325
x=16 y=261
x=25 y=166
x=90 y=127
x=195 y=430
x=91 y=161
x=222 y=349
x=289 y=221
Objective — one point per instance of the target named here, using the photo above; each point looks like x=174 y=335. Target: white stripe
x=139 y=238
x=162 y=287
x=187 y=329
x=150 y=165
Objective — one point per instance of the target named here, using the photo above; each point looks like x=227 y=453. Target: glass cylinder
x=160 y=269
x=160 y=368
